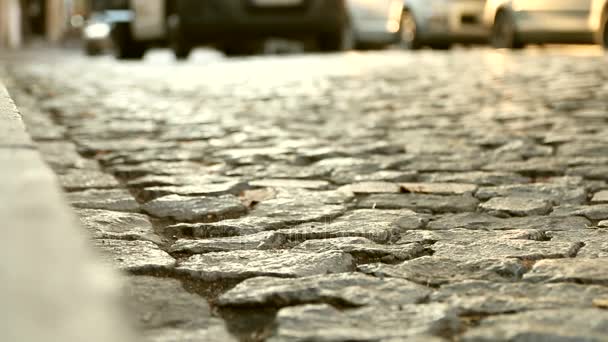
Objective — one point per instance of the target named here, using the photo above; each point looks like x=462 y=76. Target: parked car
x=515 y=23
x=373 y=23
x=599 y=21
x=441 y=23
x=236 y=26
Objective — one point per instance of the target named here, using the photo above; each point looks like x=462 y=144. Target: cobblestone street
x=368 y=196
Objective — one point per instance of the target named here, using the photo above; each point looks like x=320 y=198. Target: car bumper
x=458 y=21
x=209 y=19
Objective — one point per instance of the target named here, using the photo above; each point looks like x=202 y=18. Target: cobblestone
x=370 y=196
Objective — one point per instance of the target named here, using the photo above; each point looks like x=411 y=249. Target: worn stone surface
x=487 y=298
x=162 y=306
x=337 y=152
x=556 y=193
x=78 y=180
x=516 y=206
x=480 y=221
x=103 y=224
x=190 y=209
x=246 y=264
x=263 y=240
x=365 y=250
x=435 y=271
x=134 y=256
x=506 y=248
x=565 y=324
x=439 y=188
x=346 y=289
x=321 y=322
x=290 y=183
x=600 y=197
x=420 y=203
x=111 y=199
x=578 y=270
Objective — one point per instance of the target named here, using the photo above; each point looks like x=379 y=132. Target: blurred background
x=240 y=27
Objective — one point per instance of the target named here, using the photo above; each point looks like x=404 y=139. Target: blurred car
x=373 y=23
x=96 y=35
x=515 y=23
x=236 y=26
x=441 y=23
x=599 y=21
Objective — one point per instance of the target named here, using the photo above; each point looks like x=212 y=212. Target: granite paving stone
x=238 y=265
x=197 y=208
x=346 y=289
x=106 y=199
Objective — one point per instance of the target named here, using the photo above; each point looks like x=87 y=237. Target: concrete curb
x=52 y=286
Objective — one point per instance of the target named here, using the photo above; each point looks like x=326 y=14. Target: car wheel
x=408 y=32
x=177 y=41
x=504 y=35
x=92 y=49
x=341 y=40
x=125 y=47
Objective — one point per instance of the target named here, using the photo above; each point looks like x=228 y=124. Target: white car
x=374 y=23
x=515 y=23
x=440 y=23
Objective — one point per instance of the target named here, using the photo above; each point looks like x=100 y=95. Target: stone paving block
x=346 y=289
x=381 y=232
x=238 y=265
x=420 y=202
x=291 y=183
x=481 y=221
x=106 y=199
x=556 y=193
x=79 y=180
x=595 y=212
x=439 y=188
x=434 y=271
x=166 y=312
x=477 y=177
x=199 y=208
x=134 y=256
x=516 y=206
x=600 y=197
x=321 y=322
x=103 y=224
x=263 y=240
x=564 y=324
x=372 y=188
x=487 y=298
x=506 y=248
x=62 y=156
x=365 y=250
x=577 y=270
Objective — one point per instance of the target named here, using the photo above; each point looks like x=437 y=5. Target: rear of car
x=229 y=22
x=519 y=22
x=440 y=23
x=375 y=22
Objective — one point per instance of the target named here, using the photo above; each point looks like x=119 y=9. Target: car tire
x=92 y=49
x=178 y=42
x=343 y=39
x=603 y=37
x=504 y=33
x=125 y=47
x=408 y=32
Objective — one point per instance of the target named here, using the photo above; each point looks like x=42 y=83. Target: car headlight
x=97 y=31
